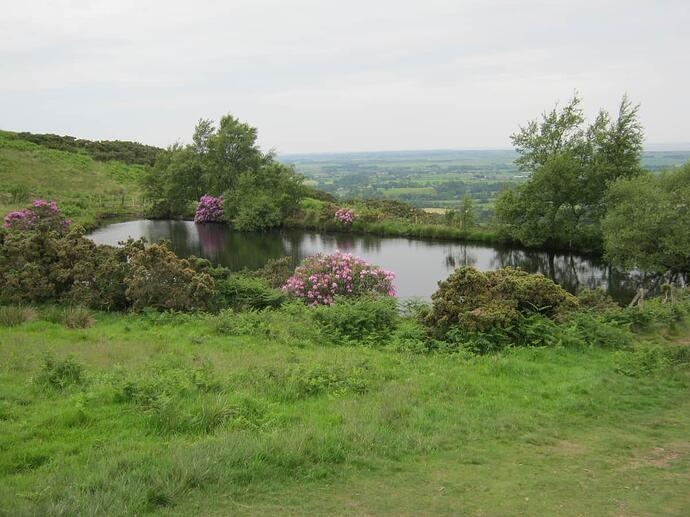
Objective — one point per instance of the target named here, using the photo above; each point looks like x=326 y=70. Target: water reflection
x=418 y=264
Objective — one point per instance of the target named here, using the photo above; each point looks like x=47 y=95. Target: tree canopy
x=570 y=166
x=259 y=192
x=647 y=224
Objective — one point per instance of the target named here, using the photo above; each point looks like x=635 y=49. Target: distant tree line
x=101 y=150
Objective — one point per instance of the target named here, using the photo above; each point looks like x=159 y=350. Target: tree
x=211 y=164
x=570 y=168
x=468 y=216
x=263 y=198
x=647 y=225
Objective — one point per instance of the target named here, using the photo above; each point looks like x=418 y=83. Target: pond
x=418 y=264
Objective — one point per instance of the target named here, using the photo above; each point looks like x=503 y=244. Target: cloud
x=330 y=75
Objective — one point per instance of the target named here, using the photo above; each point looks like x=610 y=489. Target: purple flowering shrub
x=345 y=216
x=209 y=210
x=40 y=215
x=321 y=278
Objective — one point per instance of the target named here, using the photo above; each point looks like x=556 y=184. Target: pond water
x=418 y=264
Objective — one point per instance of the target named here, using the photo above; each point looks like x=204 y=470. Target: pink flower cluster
x=322 y=277
x=209 y=210
x=41 y=214
x=345 y=216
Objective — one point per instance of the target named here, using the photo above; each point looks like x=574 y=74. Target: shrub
x=275 y=272
x=650 y=359
x=77 y=318
x=210 y=209
x=241 y=292
x=596 y=299
x=13 y=315
x=41 y=215
x=157 y=278
x=365 y=320
x=322 y=277
x=344 y=217
x=60 y=373
x=476 y=301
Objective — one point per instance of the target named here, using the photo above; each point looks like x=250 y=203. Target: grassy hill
x=86 y=190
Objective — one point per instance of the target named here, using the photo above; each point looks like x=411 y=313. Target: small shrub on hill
x=242 y=292
x=14 y=315
x=60 y=373
x=367 y=320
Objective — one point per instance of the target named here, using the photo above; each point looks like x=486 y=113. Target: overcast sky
x=338 y=75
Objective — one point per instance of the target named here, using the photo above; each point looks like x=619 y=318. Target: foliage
x=364 y=320
x=60 y=373
x=467 y=215
x=224 y=161
x=210 y=210
x=596 y=299
x=647 y=225
x=14 y=315
x=475 y=301
x=570 y=169
x=40 y=215
x=241 y=292
x=275 y=272
x=157 y=278
x=77 y=318
x=321 y=278
x=101 y=150
x=263 y=198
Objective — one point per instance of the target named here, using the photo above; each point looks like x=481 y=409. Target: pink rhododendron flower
x=40 y=215
x=322 y=277
x=209 y=210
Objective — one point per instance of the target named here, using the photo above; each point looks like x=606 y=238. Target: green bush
x=365 y=320
x=275 y=272
x=60 y=373
x=157 y=278
x=14 y=315
x=650 y=359
x=596 y=299
x=476 y=301
x=241 y=293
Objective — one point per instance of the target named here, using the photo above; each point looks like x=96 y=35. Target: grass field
x=86 y=190
x=259 y=413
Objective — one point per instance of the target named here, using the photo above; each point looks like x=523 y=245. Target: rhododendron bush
x=345 y=216
x=40 y=215
x=321 y=278
x=209 y=210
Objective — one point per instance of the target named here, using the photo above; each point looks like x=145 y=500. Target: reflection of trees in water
x=458 y=256
x=212 y=239
x=569 y=270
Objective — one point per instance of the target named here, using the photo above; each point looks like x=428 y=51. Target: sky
x=335 y=75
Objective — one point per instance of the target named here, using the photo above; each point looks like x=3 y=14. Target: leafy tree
x=211 y=164
x=570 y=168
x=647 y=225
x=264 y=198
x=468 y=216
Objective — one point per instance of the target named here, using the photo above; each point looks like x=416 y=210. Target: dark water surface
x=418 y=264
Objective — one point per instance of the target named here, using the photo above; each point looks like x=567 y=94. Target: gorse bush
x=275 y=272
x=476 y=301
x=322 y=277
x=41 y=266
x=157 y=278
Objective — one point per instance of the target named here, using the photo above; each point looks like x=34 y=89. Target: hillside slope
x=86 y=190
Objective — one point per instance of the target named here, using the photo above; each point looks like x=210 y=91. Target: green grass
x=86 y=190
x=169 y=415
